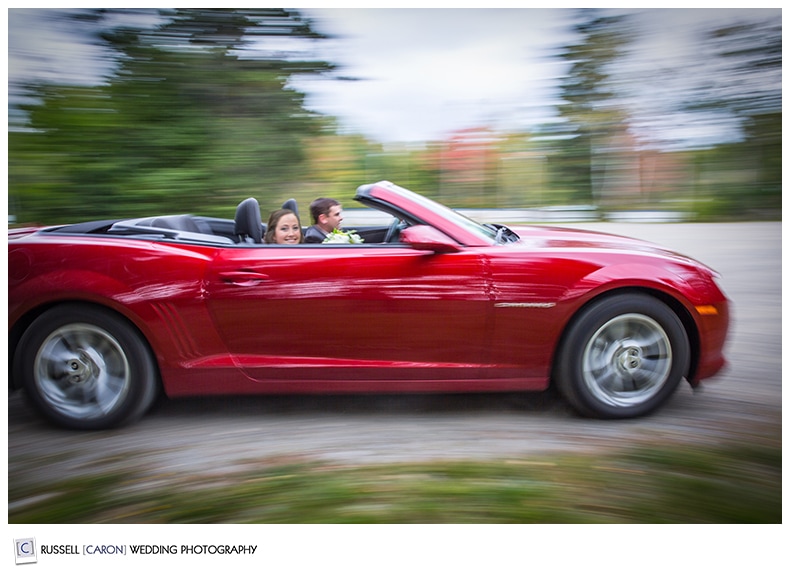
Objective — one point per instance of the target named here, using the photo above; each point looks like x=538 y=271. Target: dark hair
x=321 y=206
x=274 y=219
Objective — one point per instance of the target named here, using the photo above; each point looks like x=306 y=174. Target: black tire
x=86 y=368
x=622 y=357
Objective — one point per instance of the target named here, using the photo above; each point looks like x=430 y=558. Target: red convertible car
x=105 y=315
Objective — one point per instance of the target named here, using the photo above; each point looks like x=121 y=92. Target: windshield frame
x=416 y=209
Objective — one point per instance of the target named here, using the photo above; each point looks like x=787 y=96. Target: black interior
x=246 y=227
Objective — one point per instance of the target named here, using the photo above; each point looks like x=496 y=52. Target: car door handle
x=243 y=277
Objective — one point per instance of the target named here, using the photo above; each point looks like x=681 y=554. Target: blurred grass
x=736 y=484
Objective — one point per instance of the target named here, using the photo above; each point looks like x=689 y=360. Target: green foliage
x=649 y=484
x=744 y=178
x=590 y=97
x=187 y=122
x=737 y=76
x=183 y=122
x=590 y=104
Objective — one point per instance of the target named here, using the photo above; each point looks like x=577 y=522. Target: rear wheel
x=86 y=368
x=622 y=357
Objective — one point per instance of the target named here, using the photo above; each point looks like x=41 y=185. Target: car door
x=360 y=317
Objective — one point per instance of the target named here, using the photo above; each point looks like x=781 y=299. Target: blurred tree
x=197 y=115
x=748 y=82
x=594 y=115
x=747 y=85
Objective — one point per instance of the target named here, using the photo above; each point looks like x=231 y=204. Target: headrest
x=248 y=220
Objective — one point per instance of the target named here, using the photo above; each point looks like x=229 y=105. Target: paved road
x=210 y=435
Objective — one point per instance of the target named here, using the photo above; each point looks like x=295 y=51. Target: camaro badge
x=529 y=305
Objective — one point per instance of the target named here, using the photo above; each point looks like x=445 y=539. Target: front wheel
x=86 y=368
x=622 y=357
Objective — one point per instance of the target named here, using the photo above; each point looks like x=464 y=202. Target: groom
x=327 y=215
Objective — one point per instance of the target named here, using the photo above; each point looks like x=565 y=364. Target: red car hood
x=534 y=237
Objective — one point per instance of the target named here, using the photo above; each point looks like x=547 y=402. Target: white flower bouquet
x=339 y=236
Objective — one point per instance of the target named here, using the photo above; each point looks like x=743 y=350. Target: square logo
x=25 y=550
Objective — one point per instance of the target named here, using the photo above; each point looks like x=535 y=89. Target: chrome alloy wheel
x=82 y=371
x=627 y=360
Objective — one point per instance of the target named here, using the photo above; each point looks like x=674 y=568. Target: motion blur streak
x=125 y=112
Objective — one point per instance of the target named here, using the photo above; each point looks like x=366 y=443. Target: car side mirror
x=427 y=238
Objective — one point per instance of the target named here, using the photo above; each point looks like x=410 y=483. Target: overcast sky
x=422 y=73
x=427 y=72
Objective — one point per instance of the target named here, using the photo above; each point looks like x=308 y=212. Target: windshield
x=493 y=233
